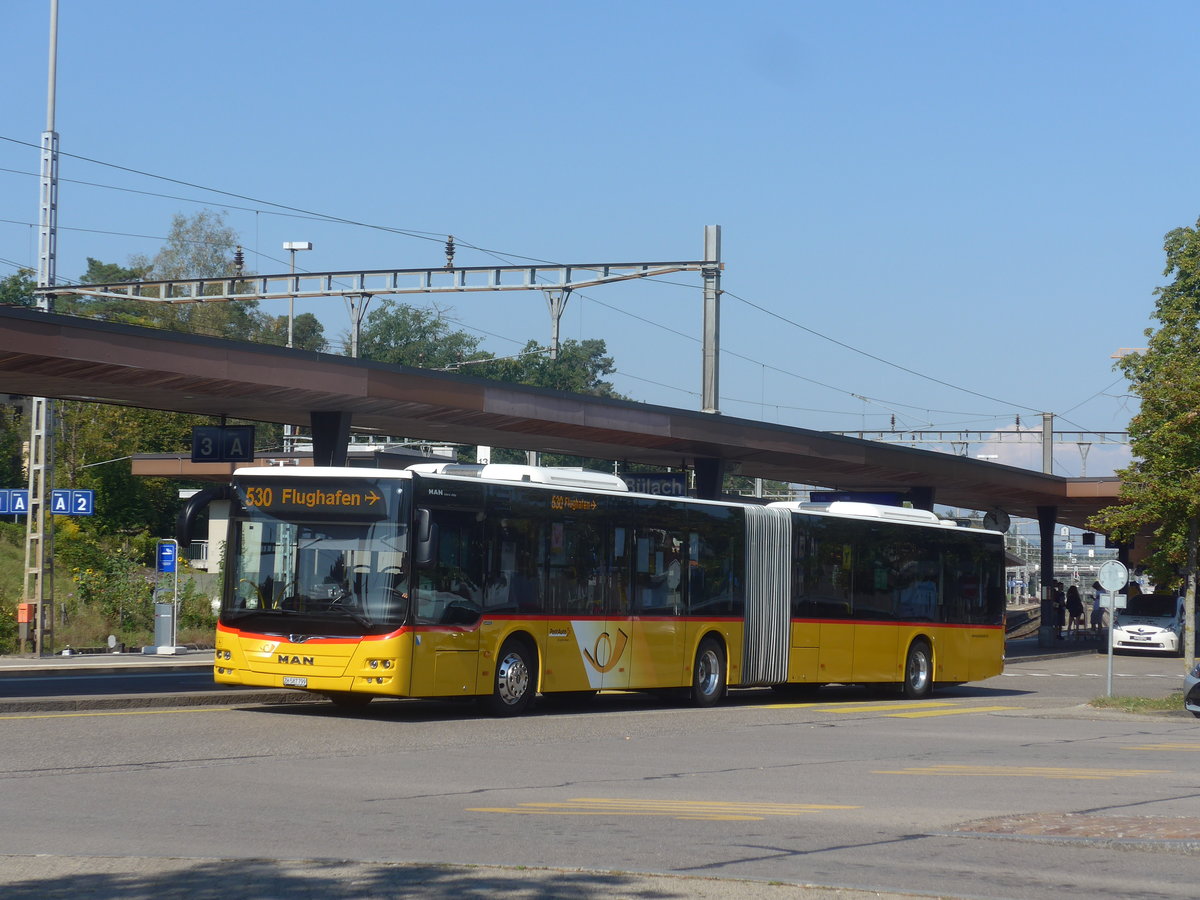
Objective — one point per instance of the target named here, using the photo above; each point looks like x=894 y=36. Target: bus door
x=589 y=643
x=532 y=592
x=833 y=603
x=658 y=632
x=974 y=598
x=447 y=603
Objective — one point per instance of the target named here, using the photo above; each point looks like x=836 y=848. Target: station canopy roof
x=47 y=355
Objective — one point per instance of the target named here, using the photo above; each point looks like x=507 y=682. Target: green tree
x=409 y=336
x=307 y=332
x=579 y=369
x=110 y=273
x=17 y=289
x=197 y=246
x=1160 y=493
x=93 y=444
x=203 y=246
x=13 y=432
x=129 y=312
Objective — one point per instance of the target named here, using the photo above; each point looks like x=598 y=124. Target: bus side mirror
x=424 y=540
x=185 y=522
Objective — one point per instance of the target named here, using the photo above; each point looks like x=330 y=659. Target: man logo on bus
x=604 y=656
x=296 y=660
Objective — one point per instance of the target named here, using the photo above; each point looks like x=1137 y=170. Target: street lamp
x=293 y=246
x=289 y=431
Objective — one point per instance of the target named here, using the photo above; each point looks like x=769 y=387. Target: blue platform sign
x=14 y=502
x=65 y=502
x=166 y=556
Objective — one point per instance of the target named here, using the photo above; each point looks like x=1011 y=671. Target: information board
x=222 y=443
x=167 y=556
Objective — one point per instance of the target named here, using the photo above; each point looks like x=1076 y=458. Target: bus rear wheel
x=918 y=671
x=515 y=682
x=708 y=673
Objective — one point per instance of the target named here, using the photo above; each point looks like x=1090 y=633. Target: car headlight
x=1195 y=673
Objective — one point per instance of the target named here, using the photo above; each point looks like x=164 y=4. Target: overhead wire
x=873 y=357
x=437 y=236
x=421 y=235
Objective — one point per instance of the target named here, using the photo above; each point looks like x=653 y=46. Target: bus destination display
x=359 y=499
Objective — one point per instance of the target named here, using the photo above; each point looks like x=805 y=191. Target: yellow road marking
x=920 y=709
x=853 y=707
x=706 y=811
x=1078 y=774
x=579 y=812
x=949 y=712
x=117 y=712
x=888 y=707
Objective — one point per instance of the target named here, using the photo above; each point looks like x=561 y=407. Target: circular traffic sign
x=1113 y=575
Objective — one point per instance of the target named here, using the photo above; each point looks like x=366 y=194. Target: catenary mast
x=39 y=534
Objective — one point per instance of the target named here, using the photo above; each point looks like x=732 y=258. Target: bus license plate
x=295 y=681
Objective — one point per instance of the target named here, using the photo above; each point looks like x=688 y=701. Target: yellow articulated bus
x=502 y=582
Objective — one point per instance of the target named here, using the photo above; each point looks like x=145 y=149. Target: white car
x=1191 y=691
x=1152 y=622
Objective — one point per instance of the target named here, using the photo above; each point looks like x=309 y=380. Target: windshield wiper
x=360 y=618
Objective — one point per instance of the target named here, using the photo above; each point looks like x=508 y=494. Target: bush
x=103 y=585
x=8 y=627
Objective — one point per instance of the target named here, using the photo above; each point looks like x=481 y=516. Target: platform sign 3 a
x=72 y=502
x=222 y=444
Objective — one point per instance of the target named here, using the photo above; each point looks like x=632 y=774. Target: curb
x=1045 y=657
x=156 y=701
x=40 y=670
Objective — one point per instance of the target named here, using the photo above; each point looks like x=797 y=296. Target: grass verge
x=1141 y=704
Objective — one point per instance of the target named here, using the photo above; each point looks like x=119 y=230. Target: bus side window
x=514 y=567
x=658 y=572
x=450 y=590
x=825 y=589
x=715 y=563
x=577 y=567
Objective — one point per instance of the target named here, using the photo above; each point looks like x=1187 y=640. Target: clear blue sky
x=976 y=192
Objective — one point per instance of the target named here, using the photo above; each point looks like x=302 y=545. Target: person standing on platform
x=1059 y=610
x=1074 y=610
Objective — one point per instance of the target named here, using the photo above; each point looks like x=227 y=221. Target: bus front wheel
x=918 y=672
x=708 y=673
x=515 y=682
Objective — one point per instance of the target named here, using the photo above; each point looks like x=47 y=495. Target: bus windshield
x=328 y=571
